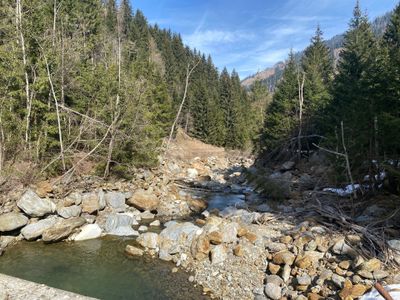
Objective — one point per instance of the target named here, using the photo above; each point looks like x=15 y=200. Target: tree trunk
x=24 y=60
x=301 y=103
x=58 y=116
x=188 y=73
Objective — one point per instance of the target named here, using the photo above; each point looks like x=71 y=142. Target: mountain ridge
x=270 y=76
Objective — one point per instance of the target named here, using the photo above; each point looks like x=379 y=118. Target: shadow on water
x=97 y=268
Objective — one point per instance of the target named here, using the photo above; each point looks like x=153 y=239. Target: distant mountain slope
x=271 y=76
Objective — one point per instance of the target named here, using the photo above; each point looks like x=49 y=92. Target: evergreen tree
x=317 y=66
x=389 y=99
x=354 y=87
x=280 y=119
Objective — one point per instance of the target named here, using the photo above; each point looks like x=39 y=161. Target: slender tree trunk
x=114 y=126
x=54 y=22
x=301 y=103
x=188 y=73
x=2 y=146
x=24 y=60
x=58 y=116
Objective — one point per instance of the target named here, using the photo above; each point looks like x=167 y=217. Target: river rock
x=275 y=279
x=35 y=230
x=304 y=279
x=192 y=173
x=155 y=223
x=62 y=229
x=88 y=232
x=93 y=202
x=273 y=291
x=200 y=247
x=133 y=251
x=229 y=232
x=12 y=221
x=120 y=225
x=394 y=244
x=219 y=254
x=338 y=280
x=144 y=200
x=116 y=201
x=69 y=212
x=284 y=257
x=74 y=198
x=43 y=188
x=341 y=248
x=148 y=240
x=35 y=206
x=179 y=233
x=371 y=265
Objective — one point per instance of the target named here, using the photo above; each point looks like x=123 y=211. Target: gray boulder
x=35 y=230
x=35 y=206
x=62 y=229
x=88 y=232
x=120 y=225
x=116 y=201
x=69 y=212
x=12 y=221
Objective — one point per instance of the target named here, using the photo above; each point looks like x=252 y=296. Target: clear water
x=224 y=200
x=97 y=268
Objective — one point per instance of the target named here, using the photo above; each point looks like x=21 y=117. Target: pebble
x=338 y=280
x=304 y=280
x=155 y=223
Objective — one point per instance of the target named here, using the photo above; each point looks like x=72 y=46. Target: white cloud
x=204 y=39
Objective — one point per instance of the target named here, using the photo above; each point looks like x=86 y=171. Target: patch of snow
x=393 y=289
x=343 y=192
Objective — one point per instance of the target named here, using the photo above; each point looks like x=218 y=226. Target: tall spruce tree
x=317 y=65
x=354 y=101
x=280 y=118
x=389 y=100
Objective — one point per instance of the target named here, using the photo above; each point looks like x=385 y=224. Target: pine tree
x=354 y=102
x=389 y=98
x=318 y=68
x=280 y=119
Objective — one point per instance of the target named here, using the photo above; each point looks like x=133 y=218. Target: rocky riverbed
x=241 y=250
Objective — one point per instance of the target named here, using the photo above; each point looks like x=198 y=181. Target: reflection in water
x=97 y=268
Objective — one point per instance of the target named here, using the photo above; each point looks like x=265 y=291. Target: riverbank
x=248 y=248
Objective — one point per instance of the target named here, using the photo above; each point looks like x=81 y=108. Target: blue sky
x=251 y=35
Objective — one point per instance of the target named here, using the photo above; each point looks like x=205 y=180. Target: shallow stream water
x=97 y=268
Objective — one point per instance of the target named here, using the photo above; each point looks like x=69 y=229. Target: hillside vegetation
x=352 y=113
x=93 y=80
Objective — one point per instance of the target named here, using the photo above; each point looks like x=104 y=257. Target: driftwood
x=372 y=234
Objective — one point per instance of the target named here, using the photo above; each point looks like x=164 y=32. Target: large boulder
x=69 y=212
x=35 y=206
x=144 y=200
x=116 y=201
x=175 y=237
x=120 y=225
x=12 y=221
x=93 y=202
x=35 y=230
x=62 y=229
x=88 y=232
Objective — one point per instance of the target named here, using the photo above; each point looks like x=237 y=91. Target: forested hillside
x=352 y=112
x=82 y=79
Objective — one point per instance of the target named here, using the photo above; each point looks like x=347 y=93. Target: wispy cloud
x=207 y=38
